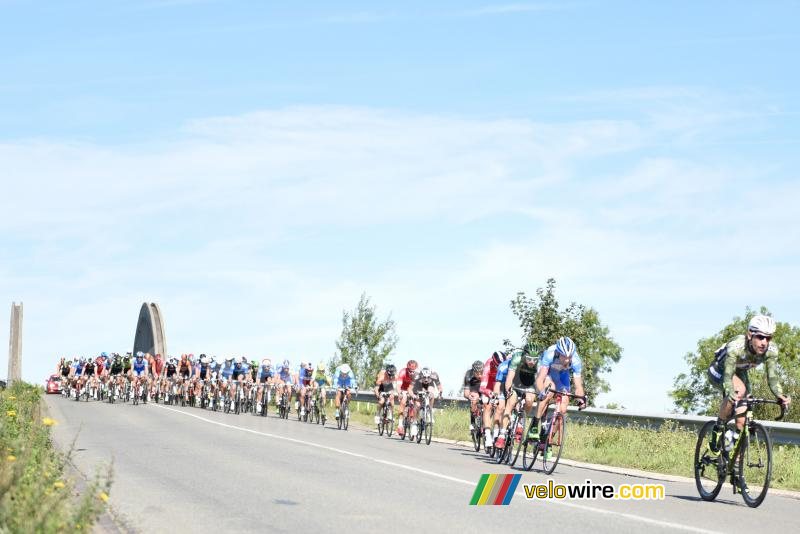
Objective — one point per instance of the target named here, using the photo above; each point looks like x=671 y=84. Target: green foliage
x=35 y=496
x=365 y=342
x=694 y=393
x=543 y=323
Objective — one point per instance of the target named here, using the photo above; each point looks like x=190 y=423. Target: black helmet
x=391 y=369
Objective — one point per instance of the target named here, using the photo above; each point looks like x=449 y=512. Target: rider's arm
x=727 y=375
x=770 y=364
x=540 y=377
x=578 y=385
x=487 y=372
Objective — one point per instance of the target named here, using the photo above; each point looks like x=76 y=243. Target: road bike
x=476 y=425
x=744 y=458
x=550 y=442
x=343 y=421
x=516 y=424
x=425 y=418
x=386 y=415
x=409 y=414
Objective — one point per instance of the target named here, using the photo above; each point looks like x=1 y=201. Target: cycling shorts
x=139 y=373
x=384 y=387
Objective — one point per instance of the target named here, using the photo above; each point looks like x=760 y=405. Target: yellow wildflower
x=12 y=397
x=49 y=422
x=11 y=457
x=11 y=413
x=58 y=484
x=103 y=496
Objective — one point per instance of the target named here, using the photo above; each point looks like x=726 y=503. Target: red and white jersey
x=489 y=376
x=405 y=378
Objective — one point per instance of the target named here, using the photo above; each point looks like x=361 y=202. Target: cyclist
x=265 y=379
x=226 y=375
x=406 y=376
x=138 y=372
x=728 y=371
x=472 y=389
x=90 y=377
x=304 y=378
x=501 y=394
x=115 y=371
x=487 y=390
x=555 y=363
x=345 y=379
x=521 y=373
x=384 y=382
x=285 y=380
x=320 y=382
x=426 y=381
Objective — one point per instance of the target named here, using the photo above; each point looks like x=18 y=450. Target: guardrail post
x=15 y=344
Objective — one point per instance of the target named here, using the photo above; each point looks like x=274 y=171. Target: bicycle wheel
x=381 y=420
x=755 y=465
x=390 y=422
x=428 y=425
x=521 y=438
x=707 y=475
x=530 y=449
x=420 y=429
x=346 y=414
x=555 y=443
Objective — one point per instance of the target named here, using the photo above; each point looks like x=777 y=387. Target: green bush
x=35 y=496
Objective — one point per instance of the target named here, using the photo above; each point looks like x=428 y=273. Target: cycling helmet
x=477 y=366
x=391 y=369
x=344 y=369
x=266 y=362
x=498 y=357
x=762 y=324
x=321 y=367
x=229 y=359
x=253 y=363
x=205 y=360
x=140 y=354
x=310 y=366
x=565 y=346
x=104 y=355
x=412 y=365
x=286 y=363
x=425 y=373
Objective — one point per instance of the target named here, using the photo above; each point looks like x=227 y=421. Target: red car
x=53 y=384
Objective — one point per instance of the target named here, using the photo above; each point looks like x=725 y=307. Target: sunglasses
x=762 y=337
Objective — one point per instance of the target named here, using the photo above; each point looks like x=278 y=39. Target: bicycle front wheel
x=755 y=465
x=707 y=476
x=530 y=449
x=428 y=426
x=555 y=443
x=520 y=424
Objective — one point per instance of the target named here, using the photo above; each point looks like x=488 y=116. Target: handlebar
x=752 y=401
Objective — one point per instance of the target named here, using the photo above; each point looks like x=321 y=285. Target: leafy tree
x=543 y=323
x=694 y=393
x=365 y=341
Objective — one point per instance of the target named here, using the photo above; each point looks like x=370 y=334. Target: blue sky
x=254 y=166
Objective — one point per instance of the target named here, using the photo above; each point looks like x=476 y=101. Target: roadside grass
x=35 y=494
x=667 y=450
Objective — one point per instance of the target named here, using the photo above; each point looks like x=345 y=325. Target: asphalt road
x=189 y=470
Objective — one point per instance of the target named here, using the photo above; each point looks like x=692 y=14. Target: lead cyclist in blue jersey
x=555 y=365
x=285 y=379
x=343 y=377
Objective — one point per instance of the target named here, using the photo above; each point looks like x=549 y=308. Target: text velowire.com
x=587 y=490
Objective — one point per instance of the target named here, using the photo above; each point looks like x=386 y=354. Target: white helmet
x=344 y=369
x=204 y=360
x=762 y=324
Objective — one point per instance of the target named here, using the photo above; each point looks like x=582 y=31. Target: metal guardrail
x=781 y=433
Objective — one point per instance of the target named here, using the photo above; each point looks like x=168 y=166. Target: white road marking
x=633 y=517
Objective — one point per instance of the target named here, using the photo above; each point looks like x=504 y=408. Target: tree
x=694 y=393
x=543 y=323
x=365 y=341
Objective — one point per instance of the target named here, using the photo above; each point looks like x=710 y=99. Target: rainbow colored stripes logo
x=495 y=489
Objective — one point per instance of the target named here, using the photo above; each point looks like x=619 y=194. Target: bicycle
x=550 y=442
x=746 y=458
x=408 y=415
x=475 y=425
x=318 y=414
x=425 y=418
x=516 y=425
x=283 y=408
x=386 y=416
x=343 y=421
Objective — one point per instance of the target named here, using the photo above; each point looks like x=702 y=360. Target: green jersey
x=735 y=358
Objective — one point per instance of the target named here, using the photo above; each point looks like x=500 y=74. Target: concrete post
x=15 y=344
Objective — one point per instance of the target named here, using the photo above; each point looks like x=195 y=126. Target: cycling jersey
x=65 y=370
x=100 y=365
x=78 y=369
x=304 y=377
x=383 y=382
x=226 y=371
x=321 y=379
x=264 y=373
x=171 y=370
x=285 y=374
x=422 y=384
x=502 y=373
x=139 y=366
x=346 y=381
x=185 y=369
x=489 y=376
x=116 y=368
x=204 y=371
x=405 y=378
x=735 y=358
x=472 y=382
x=157 y=366
x=559 y=367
